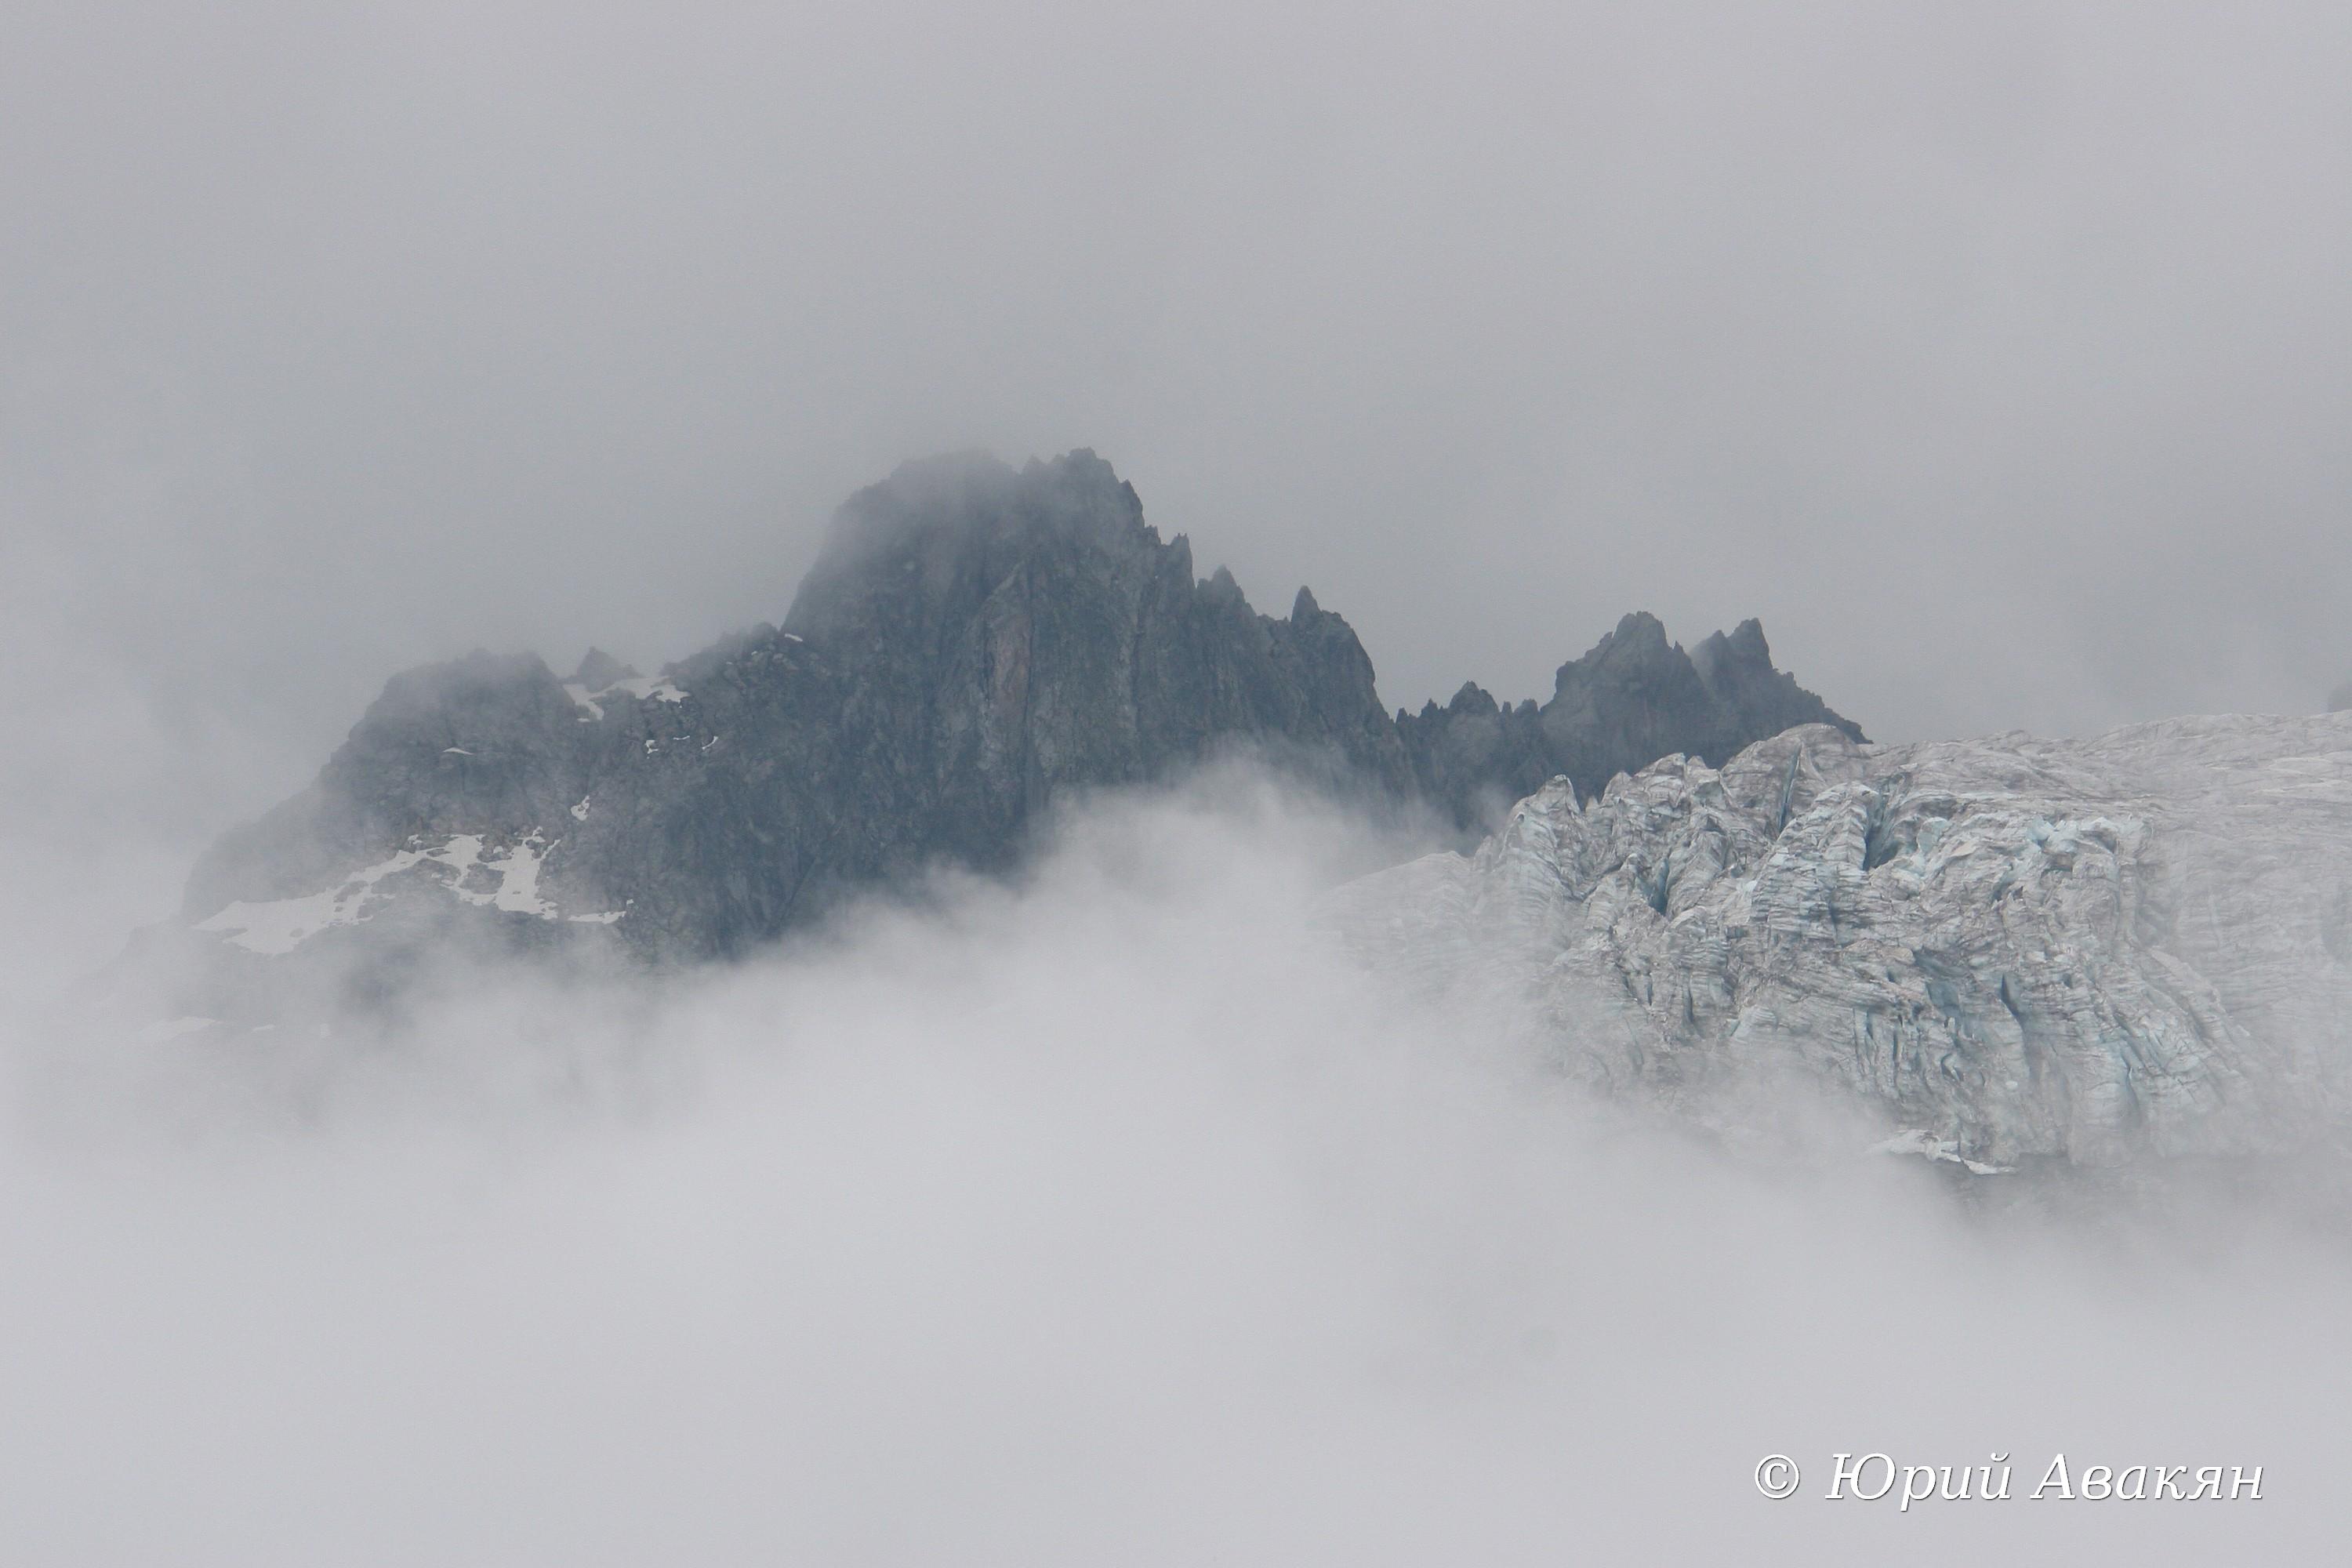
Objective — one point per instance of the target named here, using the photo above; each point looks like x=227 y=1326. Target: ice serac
x=2007 y=949
x=973 y=642
x=1634 y=698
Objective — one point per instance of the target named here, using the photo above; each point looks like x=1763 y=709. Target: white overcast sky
x=1998 y=356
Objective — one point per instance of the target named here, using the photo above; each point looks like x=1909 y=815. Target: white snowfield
x=2008 y=948
x=642 y=687
x=456 y=868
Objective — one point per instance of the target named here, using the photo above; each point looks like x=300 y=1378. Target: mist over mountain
x=1111 y=1213
x=974 y=644
x=984 y=1025
x=2005 y=956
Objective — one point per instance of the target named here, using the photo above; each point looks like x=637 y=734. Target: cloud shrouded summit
x=1995 y=356
x=975 y=643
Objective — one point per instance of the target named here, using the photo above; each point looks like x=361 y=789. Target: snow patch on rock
x=278 y=926
x=639 y=687
x=650 y=688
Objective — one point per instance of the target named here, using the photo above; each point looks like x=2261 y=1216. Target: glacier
x=2005 y=952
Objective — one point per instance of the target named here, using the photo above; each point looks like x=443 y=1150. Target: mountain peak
x=599 y=670
x=962 y=516
x=973 y=642
x=1635 y=697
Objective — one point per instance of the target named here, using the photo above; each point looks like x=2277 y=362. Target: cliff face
x=997 y=639
x=1634 y=698
x=973 y=642
x=2010 y=951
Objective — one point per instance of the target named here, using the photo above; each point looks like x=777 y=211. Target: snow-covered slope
x=2006 y=949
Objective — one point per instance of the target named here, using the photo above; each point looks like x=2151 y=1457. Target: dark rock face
x=1634 y=698
x=973 y=644
x=998 y=638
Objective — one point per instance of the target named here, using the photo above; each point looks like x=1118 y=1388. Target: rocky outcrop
x=2007 y=951
x=996 y=639
x=1634 y=698
x=973 y=644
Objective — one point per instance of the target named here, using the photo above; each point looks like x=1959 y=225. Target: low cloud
x=1111 y=1215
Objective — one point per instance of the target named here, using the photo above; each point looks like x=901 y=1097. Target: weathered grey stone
x=974 y=644
x=1634 y=698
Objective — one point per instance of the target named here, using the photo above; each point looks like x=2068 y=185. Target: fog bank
x=1108 y=1216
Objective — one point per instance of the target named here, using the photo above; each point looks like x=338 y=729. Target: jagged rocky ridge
x=1634 y=698
x=973 y=643
x=2008 y=952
